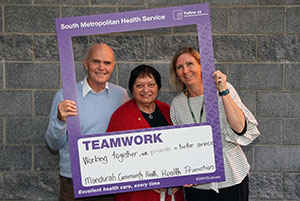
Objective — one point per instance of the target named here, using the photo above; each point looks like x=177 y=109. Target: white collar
x=86 y=87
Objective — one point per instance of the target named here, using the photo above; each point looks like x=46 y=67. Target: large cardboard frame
x=197 y=14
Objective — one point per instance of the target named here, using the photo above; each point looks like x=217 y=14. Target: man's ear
x=85 y=63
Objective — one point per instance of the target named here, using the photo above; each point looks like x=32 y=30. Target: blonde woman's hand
x=220 y=80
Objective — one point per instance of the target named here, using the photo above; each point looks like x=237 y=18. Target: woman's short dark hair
x=142 y=71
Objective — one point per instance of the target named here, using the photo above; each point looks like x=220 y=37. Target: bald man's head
x=100 y=47
x=99 y=63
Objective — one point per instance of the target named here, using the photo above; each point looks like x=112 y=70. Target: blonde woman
x=238 y=125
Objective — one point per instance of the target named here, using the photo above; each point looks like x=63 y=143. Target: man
x=97 y=100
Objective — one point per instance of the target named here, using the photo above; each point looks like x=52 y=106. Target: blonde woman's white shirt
x=235 y=162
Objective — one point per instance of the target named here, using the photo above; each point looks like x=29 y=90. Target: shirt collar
x=86 y=87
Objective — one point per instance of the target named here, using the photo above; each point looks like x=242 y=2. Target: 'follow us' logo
x=177 y=14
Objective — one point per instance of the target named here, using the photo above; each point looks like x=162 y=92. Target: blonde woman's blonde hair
x=174 y=79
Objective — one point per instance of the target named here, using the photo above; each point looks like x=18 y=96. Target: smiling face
x=188 y=70
x=100 y=65
x=145 y=90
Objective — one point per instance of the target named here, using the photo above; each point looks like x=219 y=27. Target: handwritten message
x=146 y=155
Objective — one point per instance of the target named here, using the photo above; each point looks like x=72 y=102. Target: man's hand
x=66 y=108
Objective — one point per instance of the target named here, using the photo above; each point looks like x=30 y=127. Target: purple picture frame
x=197 y=14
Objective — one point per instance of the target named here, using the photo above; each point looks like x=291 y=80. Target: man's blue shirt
x=95 y=110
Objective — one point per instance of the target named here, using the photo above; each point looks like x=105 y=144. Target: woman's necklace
x=191 y=111
x=150 y=116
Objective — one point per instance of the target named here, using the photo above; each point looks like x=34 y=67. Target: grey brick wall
x=256 y=43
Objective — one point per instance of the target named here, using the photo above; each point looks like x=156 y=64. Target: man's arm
x=56 y=134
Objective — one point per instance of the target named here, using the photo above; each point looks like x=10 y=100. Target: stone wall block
x=223 y=68
x=14 y=47
x=257 y=20
x=126 y=47
x=292 y=2
x=248 y=150
x=292 y=107
x=164 y=70
x=43 y=102
x=16 y=158
x=277 y=158
x=188 y=29
x=292 y=186
x=32 y=186
x=1 y=131
x=119 y=2
x=270 y=130
x=45 y=159
x=113 y=77
x=229 y=48
x=230 y=2
x=62 y=2
x=15 y=103
x=249 y=99
x=30 y=18
x=291 y=130
x=218 y=20
x=33 y=75
x=45 y=47
x=125 y=69
x=268 y=158
x=271 y=104
x=1 y=75
x=1 y=29
x=292 y=79
x=256 y=76
x=82 y=11
x=279 y=48
x=81 y=72
x=164 y=3
x=81 y=47
x=271 y=2
x=130 y=8
x=278 y=104
x=266 y=186
x=167 y=30
x=26 y=130
x=162 y=48
x=16 y=1
x=1 y=186
x=167 y=96
x=293 y=20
